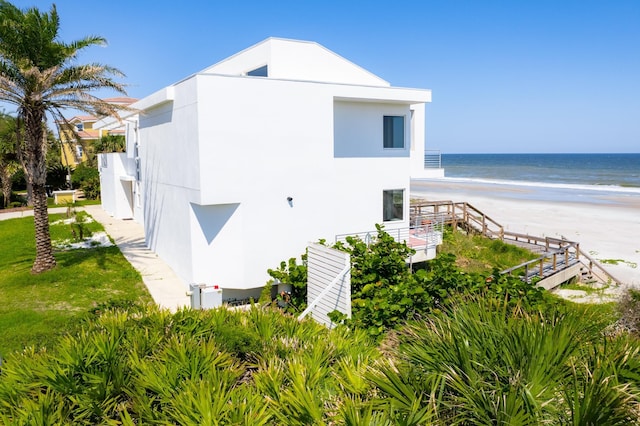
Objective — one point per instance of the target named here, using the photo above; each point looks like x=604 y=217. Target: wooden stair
x=559 y=259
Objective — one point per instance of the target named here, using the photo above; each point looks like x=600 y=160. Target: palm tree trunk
x=44 y=252
x=35 y=152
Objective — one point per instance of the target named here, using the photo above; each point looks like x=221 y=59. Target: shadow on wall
x=153 y=206
x=213 y=218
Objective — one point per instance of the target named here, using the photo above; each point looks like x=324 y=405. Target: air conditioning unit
x=205 y=296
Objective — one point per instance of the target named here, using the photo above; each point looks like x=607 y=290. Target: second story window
x=80 y=127
x=393 y=131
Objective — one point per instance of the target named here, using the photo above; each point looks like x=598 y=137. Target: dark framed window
x=263 y=71
x=392 y=205
x=393 y=131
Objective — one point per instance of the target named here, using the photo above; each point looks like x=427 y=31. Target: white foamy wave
x=600 y=188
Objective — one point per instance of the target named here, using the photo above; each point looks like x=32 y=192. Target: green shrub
x=295 y=275
x=91 y=188
x=482 y=361
x=88 y=180
x=628 y=309
x=190 y=367
x=57 y=176
x=385 y=293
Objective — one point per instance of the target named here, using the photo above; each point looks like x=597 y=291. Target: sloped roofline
x=268 y=39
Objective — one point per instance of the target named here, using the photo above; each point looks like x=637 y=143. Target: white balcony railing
x=432 y=159
x=419 y=237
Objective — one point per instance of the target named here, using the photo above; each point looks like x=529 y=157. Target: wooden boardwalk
x=559 y=259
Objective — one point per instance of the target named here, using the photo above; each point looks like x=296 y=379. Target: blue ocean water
x=607 y=171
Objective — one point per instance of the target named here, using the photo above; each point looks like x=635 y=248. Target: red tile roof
x=88 y=134
x=121 y=100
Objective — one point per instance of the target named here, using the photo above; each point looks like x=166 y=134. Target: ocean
x=590 y=178
x=610 y=170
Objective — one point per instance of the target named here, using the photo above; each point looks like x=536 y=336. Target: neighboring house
x=240 y=166
x=78 y=134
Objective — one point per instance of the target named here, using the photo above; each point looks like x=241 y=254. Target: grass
x=588 y=289
x=36 y=309
x=51 y=203
x=633 y=265
x=477 y=254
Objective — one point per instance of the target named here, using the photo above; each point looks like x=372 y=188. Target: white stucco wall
x=267 y=140
x=220 y=155
x=358 y=129
x=168 y=148
x=116 y=196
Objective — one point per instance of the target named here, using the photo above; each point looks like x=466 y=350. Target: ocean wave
x=564 y=186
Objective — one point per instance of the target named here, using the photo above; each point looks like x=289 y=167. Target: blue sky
x=506 y=76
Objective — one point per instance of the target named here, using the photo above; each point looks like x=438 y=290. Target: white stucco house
x=240 y=166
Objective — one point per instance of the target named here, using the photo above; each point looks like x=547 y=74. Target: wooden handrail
x=465 y=213
x=593 y=262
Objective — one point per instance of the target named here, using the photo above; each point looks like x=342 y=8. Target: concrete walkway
x=163 y=284
x=28 y=212
x=166 y=289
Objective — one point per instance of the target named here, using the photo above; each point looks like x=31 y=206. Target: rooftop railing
x=432 y=159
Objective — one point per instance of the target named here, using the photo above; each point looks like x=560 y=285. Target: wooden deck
x=559 y=260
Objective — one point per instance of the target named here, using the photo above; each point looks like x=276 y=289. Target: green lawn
x=35 y=309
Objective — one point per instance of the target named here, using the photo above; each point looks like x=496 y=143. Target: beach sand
x=605 y=223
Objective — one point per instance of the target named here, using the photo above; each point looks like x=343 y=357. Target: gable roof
x=296 y=60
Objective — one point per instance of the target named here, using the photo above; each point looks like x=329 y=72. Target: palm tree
x=38 y=74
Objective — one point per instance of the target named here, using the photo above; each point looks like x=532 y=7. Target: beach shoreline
x=605 y=223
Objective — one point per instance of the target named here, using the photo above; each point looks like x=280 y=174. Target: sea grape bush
x=296 y=275
x=385 y=292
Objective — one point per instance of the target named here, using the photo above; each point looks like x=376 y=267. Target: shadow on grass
x=98 y=255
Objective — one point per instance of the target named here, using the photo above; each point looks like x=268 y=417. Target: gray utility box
x=205 y=297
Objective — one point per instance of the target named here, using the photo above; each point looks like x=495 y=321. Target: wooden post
x=554 y=261
x=566 y=256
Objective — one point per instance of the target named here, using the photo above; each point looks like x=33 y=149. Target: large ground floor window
x=392 y=205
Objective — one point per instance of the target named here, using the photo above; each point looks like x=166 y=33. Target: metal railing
x=428 y=233
x=432 y=159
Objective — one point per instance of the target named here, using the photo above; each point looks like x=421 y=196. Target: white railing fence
x=432 y=159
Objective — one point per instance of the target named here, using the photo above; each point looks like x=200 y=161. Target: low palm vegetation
x=450 y=347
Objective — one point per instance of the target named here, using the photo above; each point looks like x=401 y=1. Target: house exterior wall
x=221 y=155
x=169 y=169
x=247 y=172
x=116 y=194
x=358 y=129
